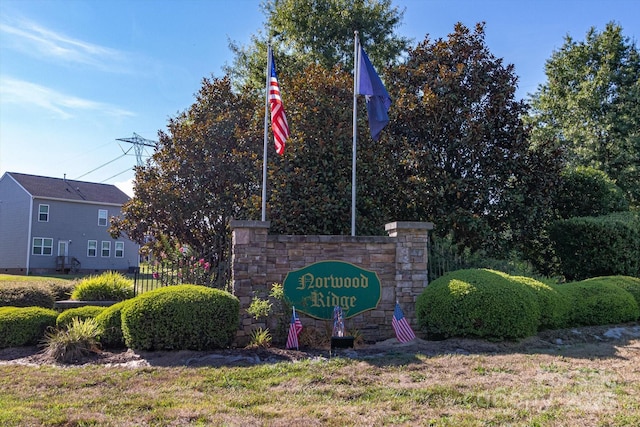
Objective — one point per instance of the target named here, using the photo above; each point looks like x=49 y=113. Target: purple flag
x=378 y=99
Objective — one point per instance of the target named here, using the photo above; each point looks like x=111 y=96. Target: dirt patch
x=587 y=342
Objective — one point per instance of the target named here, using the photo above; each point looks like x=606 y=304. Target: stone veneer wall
x=400 y=260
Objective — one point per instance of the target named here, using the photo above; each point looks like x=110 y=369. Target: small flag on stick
x=294 y=330
x=404 y=333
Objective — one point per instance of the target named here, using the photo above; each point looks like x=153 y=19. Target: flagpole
x=266 y=136
x=356 y=76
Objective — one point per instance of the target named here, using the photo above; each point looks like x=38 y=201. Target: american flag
x=294 y=330
x=279 y=124
x=404 y=333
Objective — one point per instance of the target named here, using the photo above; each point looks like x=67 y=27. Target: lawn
x=585 y=382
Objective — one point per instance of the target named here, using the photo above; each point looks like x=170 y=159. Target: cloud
x=35 y=40
x=20 y=92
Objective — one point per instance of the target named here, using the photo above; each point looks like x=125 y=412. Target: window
x=106 y=249
x=43 y=213
x=92 y=248
x=42 y=246
x=119 y=249
x=102 y=217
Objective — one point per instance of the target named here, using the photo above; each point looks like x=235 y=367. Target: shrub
x=79 y=338
x=21 y=326
x=181 y=317
x=86 y=312
x=598 y=302
x=62 y=290
x=629 y=284
x=110 y=322
x=481 y=303
x=24 y=294
x=260 y=338
x=602 y=246
x=554 y=306
x=109 y=286
x=586 y=191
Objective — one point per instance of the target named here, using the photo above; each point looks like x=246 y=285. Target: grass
x=401 y=389
x=34 y=279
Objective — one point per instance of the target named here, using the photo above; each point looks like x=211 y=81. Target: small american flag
x=404 y=333
x=294 y=330
x=279 y=124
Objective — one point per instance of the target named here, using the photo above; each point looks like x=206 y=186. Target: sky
x=77 y=75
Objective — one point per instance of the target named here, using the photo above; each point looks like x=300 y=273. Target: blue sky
x=77 y=75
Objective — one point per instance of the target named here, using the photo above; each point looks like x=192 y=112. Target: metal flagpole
x=356 y=77
x=266 y=137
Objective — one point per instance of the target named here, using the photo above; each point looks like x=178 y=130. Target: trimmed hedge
x=62 y=291
x=554 y=306
x=24 y=294
x=495 y=305
x=478 y=302
x=109 y=286
x=110 y=322
x=598 y=246
x=598 y=302
x=181 y=317
x=21 y=326
x=86 y=312
x=629 y=284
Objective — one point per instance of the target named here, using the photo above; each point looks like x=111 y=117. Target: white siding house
x=59 y=225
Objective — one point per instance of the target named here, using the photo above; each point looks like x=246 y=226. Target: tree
x=585 y=191
x=590 y=105
x=200 y=175
x=461 y=145
x=310 y=186
x=305 y=32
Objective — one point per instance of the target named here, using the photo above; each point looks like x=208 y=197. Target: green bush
x=21 y=326
x=601 y=246
x=586 y=191
x=629 y=284
x=62 y=290
x=110 y=322
x=554 y=306
x=86 y=312
x=181 y=317
x=598 y=302
x=24 y=294
x=478 y=302
x=109 y=286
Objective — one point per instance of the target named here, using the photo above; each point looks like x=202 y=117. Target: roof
x=66 y=189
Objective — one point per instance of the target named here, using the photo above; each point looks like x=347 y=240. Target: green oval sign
x=317 y=288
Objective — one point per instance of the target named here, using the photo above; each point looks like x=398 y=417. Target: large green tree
x=589 y=104
x=201 y=174
x=310 y=186
x=463 y=151
x=305 y=32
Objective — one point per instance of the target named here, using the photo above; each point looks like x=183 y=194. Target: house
x=58 y=225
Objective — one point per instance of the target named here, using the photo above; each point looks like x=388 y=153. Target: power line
x=103 y=165
x=118 y=174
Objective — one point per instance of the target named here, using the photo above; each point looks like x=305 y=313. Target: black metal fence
x=155 y=275
x=445 y=257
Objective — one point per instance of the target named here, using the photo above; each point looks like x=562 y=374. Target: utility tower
x=138 y=145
